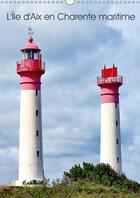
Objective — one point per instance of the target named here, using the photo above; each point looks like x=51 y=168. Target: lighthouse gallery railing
x=116 y=79
x=29 y=66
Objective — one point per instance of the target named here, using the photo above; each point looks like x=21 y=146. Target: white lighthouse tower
x=110 y=141
x=30 y=69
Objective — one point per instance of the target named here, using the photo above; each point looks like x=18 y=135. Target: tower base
x=28 y=183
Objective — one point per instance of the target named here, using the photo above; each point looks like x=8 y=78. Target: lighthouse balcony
x=30 y=65
x=110 y=80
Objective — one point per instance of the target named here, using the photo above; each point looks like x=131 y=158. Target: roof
x=30 y=45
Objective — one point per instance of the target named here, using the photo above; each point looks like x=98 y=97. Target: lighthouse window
x=37 y=133
x=115 y=105
x=36 y=112
x=23 y=56
x=28 y=54
x=31 y=54
x=37 y=153
x=116 y=123
x=36 y=92
x=35 y=55
x=118 y=159
x=117 y=141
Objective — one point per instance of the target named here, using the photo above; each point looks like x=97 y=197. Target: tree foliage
x=101 y=174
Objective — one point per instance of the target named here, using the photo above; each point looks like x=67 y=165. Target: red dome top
x=30 y=45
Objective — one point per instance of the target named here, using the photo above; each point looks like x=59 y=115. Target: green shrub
x=101 y=174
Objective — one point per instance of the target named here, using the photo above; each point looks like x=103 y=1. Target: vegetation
x=101 y=174
x=88 y=181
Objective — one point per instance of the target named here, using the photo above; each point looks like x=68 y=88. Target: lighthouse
x=110 y=139
x=30 y=68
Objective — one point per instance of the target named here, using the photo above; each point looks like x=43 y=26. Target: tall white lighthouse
x=30 y=68
x=110 y=140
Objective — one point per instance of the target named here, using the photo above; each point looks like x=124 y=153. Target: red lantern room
x=109 y=76
x=109 y=81
x=31 y=60
x=31 y=66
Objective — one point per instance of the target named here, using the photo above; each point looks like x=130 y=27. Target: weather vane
x=30 y=31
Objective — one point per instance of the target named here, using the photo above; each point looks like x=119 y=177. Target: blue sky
x=74 y=52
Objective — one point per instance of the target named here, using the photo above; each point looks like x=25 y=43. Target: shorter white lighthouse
x=110 y=140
